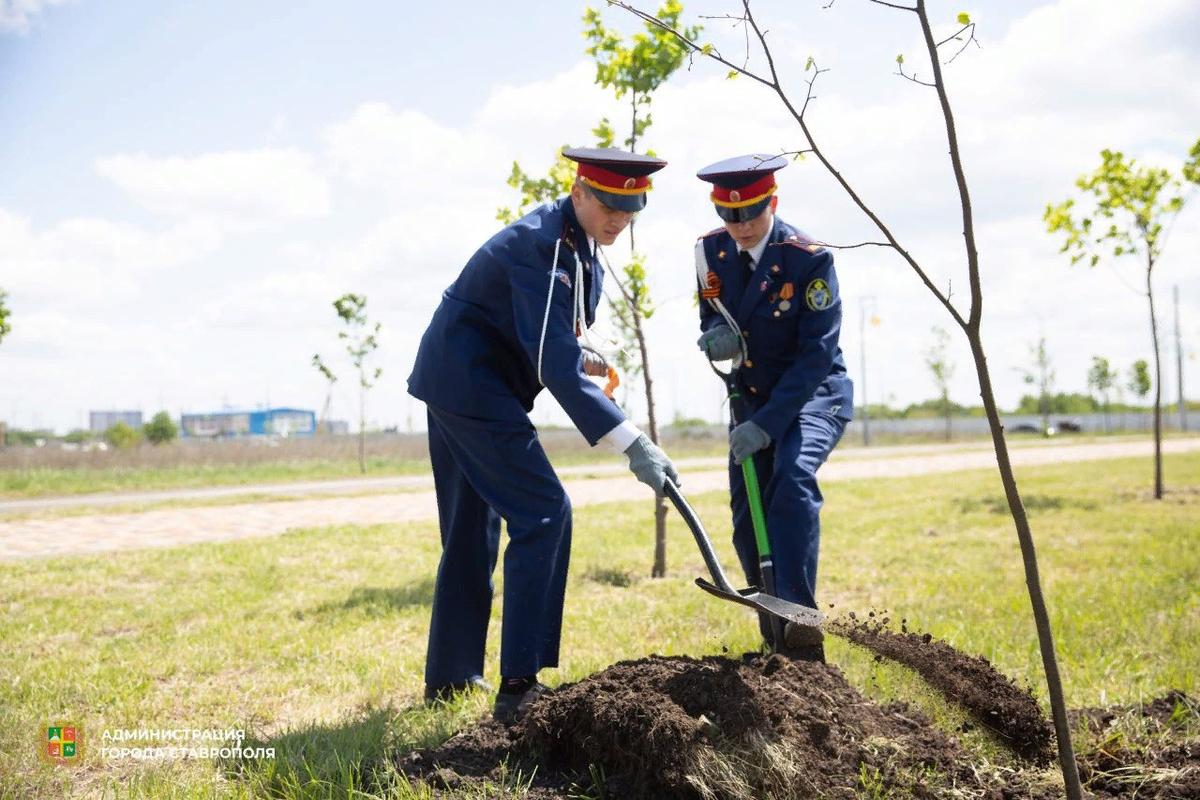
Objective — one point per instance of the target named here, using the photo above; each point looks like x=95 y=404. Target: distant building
x=100 y=421
x=263 y=422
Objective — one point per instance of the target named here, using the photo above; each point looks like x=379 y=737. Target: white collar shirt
x=757 y=250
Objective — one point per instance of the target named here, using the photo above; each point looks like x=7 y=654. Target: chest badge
x=818 y=296
x=787 y=291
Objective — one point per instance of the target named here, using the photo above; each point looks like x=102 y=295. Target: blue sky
x=90 y=78
x=185 y=187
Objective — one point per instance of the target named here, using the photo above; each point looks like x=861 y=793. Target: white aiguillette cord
x=576 y=306
x=702 y=277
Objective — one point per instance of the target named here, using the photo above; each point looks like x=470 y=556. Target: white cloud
x=236 y=187
x=1023 y=145
x=415 y=158
x=87 y=262
x=393 y=201
x=17 y=15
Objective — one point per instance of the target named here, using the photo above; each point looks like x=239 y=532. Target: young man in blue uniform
x=508 y=326
x=782 y=310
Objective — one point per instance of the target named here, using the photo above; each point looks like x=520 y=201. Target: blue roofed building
x=260 y=422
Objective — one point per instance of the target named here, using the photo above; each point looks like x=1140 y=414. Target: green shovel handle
x=750 y=477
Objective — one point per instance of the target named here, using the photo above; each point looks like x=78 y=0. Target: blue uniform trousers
x=485 y=471
x=787 y=475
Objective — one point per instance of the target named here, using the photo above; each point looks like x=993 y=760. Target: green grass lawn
x=313 y=642
x=47 y=481
x=50 y=481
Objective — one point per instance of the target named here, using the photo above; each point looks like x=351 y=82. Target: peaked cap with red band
x=619 y=179
x=742 y=186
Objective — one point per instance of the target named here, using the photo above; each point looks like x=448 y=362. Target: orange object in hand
x=614 y=380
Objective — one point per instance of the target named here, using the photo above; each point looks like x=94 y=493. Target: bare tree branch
x=853 y=246
x=891 y=5
x=955 y=37
x=612 y=273
x=808 y=95
x=794 y=153
x=960 y=177
x=799 y=115
x=736 y=22
x=900 y=71
x=707 y=51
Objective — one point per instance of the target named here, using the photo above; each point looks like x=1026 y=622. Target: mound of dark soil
x=1172 y=709
x=1139 y=751
x=663 y=727
x=766 y=727
x=972 y=682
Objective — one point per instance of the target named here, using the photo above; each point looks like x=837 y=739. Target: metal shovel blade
x=720 y=585
x=792 y=612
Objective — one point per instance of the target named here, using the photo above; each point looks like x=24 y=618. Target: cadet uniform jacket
x=790 y=314
x=479 y=356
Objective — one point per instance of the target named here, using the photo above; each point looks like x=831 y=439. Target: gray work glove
x=720 y=343
x=594 y=364
x=650 y=464
x=747 y=439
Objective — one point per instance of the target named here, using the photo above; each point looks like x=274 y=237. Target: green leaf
x=733 y=73
x=808 y=65
x=707 y=49
x=964 y=18
x=900 y=59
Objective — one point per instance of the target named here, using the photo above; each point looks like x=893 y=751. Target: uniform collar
x=581 y=236
x=757 y=250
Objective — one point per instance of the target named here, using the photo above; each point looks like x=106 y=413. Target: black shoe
x=803 y=642
x=511 y=707
x=443 y=693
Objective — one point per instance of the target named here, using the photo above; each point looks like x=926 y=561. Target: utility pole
x=1179 y=362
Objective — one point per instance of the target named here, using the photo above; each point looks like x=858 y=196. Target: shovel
x=764 y=600
x=721 y=587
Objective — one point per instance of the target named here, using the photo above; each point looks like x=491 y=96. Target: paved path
x=173 y=526
x=399 y=483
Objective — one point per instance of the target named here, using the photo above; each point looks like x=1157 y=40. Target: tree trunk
x=659 y=569
x=1045 y=409
x=1033 y=582
x=946 y=408
x=362 y=431
x=1158 y=478
x=1066 y=754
